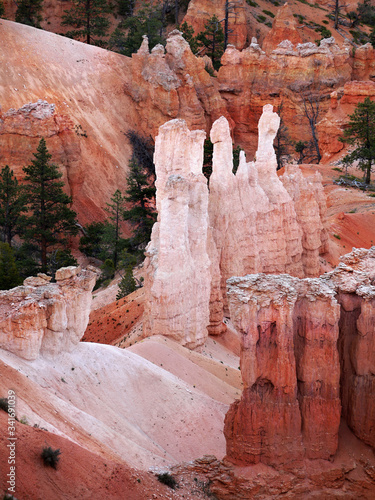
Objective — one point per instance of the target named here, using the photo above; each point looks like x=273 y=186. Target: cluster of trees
x=38 y=213
x=36 y=220
x=104 y=241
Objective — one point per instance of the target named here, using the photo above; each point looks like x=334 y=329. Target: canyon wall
x=247 y=222
x=46 y=318
x=307 y=349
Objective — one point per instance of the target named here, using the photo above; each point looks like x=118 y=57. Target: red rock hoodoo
x=305 y=344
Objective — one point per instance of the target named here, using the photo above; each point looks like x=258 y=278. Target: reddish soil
x=112 y=322
x=79 y=474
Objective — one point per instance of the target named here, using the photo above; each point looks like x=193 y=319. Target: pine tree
x=141 y=195
x=116 y=209
x=212 y=38
x=29 y=12
x=282 y=142
x=89 y=18
x=360 y=133
x=188 y=33
x=128 y=36
x=2 y=9
x=9 y=275
x=50 y=216
x=12 y=205
x=127 y=284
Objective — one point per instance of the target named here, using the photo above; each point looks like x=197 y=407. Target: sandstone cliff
x=46 y=318
x=306 y=344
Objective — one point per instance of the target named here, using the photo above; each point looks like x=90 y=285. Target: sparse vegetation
x=268 y=13
x=4 y=404
x=168 y=479
x=50 y=457
x=337 y=236
x=251 y=3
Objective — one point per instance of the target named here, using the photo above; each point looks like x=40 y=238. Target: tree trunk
x=337 y=8
x=368 y=173
x=226 y=23
x=88 y=39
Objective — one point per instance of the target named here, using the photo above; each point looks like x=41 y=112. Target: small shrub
x=4 y=404
x=268 y=13
x=372 y=195
x=251 y=3
x=338 y=169
x=23 y=420
x=261 y=19
x=167 y=479
x=337 y=236
x=50 y=457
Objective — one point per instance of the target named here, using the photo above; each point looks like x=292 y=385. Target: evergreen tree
x=360 y=133
x=115 y=209
x=12 y=205
x=127 y=284
x=93 y=243
x=188 y=33
x=125 y=7
x=128 y=36
x=2 y=9
x=282 y=142
x=89 y=20
x=9 y=275
x=212 y=39
x=141 y=195
x=29 y=12
x=50 y=216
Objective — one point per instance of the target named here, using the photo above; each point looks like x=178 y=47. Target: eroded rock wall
x=46 y=318
x=308 y=348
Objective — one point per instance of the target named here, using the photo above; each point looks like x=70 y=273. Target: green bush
x=261 y=19
x=50 y=457
x=268 y=13
x=4 y=404
x=251 y=3
x=167 y=479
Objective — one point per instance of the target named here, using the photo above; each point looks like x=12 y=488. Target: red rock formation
x=310 y=206
x=286 y=340
x=284 y=27
x=332 y=125
x=43 y=317
x=200 y=11
x=250 y=79
x=291 y=362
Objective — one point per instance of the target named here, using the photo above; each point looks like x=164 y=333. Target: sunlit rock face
x=46 y=318
x=308 y=348
x=246 y=223
x=178 y=281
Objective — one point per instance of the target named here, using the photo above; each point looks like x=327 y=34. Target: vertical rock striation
x=286 y=337
x=249 y=222
x=308 y=348
x=178 y=280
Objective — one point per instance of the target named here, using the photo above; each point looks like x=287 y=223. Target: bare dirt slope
x=85 y=83
x=116 y=402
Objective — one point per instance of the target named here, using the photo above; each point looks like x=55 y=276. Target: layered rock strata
x=178 y=279
x=305 y=344
x=248 y=222
x=46 y=318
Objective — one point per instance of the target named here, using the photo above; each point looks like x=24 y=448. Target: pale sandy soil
x=117 y=402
